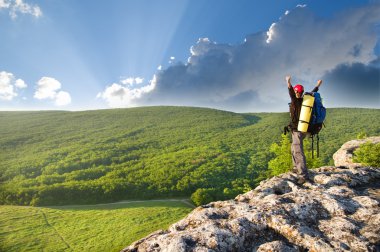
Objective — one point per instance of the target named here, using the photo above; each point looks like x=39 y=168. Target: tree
x=368 y=154
x=282 y=162
x=283 y=158
x=202 y=196
x=257 y=169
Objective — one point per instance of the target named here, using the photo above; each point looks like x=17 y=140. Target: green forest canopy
x=58 y=157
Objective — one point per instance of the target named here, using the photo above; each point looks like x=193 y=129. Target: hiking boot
x=301 y=180
x=304 y=178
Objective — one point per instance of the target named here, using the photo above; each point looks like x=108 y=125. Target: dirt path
x=185 y=201
x=55 y=230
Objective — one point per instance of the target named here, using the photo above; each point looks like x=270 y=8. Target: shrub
x=282 y=162
x=203 y=196
x=368 y=154
x=283 y=157
x=361 y=135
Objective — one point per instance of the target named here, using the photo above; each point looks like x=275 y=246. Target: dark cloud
x=356 y=50
x=250 y=76
x=354 y=84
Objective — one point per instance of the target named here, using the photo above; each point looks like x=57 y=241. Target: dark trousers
x=298 y=156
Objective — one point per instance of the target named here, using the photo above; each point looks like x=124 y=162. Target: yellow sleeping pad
x=305 y=115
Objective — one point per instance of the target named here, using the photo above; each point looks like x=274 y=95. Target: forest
x=60 y=157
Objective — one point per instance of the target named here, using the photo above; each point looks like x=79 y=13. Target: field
x=102 y=227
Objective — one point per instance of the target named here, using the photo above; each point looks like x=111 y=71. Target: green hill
x=57 y=157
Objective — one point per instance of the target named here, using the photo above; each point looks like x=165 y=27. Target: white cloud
x=172 y=59
x=128 y=81
x=132 y=81
x=4 y=4
x=271 y=33
x=16 y=7
x=201 y=47
x=118 y=95
x=48 y=88
x=62 y=98
x=139 y=80
x=20 y=83
x=9 y=85
x=6 y=89
x=250 y=76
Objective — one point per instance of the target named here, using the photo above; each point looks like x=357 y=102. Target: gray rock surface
x=343 y=157
x=335 y=211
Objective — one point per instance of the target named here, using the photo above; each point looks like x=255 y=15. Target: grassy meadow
x=103 y=227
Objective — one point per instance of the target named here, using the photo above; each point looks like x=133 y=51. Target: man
x=298 y=156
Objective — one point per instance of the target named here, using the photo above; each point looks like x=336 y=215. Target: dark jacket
x=295 y=108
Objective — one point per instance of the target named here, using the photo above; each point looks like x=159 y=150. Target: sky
x=225 y=54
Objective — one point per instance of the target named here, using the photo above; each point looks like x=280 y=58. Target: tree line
x=57 y=157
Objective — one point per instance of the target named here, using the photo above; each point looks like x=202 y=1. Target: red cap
x=298 y=88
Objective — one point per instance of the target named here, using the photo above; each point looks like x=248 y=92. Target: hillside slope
x=335 y=211
x=57 y=157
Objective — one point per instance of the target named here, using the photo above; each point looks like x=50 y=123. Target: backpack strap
x=312 y=145
x=287 y=129
x=317 y=146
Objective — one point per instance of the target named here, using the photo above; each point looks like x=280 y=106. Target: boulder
x=343 y=157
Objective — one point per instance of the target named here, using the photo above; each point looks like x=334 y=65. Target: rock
x=335 y=211
x=343 y=157
x=276 y=246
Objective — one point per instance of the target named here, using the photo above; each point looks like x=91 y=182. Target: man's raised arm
x=288 y=78
x=316 y=88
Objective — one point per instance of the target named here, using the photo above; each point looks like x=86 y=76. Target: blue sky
x=231 y=55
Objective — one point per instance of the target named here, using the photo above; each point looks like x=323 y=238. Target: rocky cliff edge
x=338 y=210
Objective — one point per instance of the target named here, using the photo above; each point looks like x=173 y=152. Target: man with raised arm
x=298 y=155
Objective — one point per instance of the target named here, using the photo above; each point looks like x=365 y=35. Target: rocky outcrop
x=337 y=210
x=343 y=157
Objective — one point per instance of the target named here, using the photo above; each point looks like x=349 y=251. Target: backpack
x=316 y=121
x=318 y=114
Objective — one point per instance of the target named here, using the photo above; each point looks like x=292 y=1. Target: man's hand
x=288 y=78
x=319 y=83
